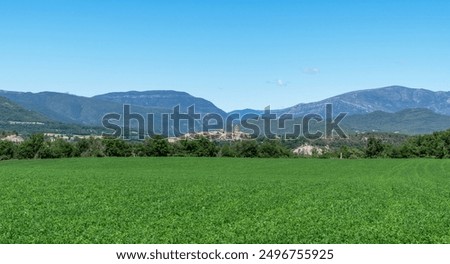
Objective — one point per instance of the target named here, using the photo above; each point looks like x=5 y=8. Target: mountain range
x=11 y=112
x=75 y=109
x=388 y=99
x=408 y=121
x=14 y=117
x=162 y=99
x=393 y=108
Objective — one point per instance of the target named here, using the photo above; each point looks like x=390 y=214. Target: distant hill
x=13 y=117
x=389 y=109
x=162 y=99
x=409 y=121
x=69 y=108
x=388 y=99
x=10 y=111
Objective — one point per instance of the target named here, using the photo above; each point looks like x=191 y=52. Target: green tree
x=351 y=152
x=30 y=148
x=116 y=148
x=7 y=150
x=273 y=149
x=89 y=147
x=198 y=147
x=62 y=149
x=227 y=151
x=374 y=148
x=247 y=149
x=205 y=147
x=157 y=146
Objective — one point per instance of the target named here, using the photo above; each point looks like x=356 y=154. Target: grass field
x=218 y=200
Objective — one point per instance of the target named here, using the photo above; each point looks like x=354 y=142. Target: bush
x=374 y=148
x=273 y=149
x=30 y=148
x=155 y=147
x=116 y=148
x=7 y=150
x=247 y=149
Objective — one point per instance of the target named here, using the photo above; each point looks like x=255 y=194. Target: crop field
x=220 y=200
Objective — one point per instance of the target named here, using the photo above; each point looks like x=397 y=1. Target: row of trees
x=37 y=146
x=436 y=145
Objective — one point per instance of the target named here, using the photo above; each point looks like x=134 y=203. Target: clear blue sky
x=237 y=54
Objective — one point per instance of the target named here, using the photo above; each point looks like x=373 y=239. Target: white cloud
x=311 y=71
x=279 y=83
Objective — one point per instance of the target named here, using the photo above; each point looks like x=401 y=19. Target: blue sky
x=237 y=54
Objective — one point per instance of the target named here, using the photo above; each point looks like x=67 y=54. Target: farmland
x=224 y=200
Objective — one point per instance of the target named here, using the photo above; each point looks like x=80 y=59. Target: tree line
x=38 y=147
x=436 y=145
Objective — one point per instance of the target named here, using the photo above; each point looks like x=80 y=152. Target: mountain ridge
x=368 y=100
x=407 y=121
x=164 y=99
x=69 y=108
x=388 y=99
x=12 y=112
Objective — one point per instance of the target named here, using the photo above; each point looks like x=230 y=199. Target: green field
x=219 y=200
